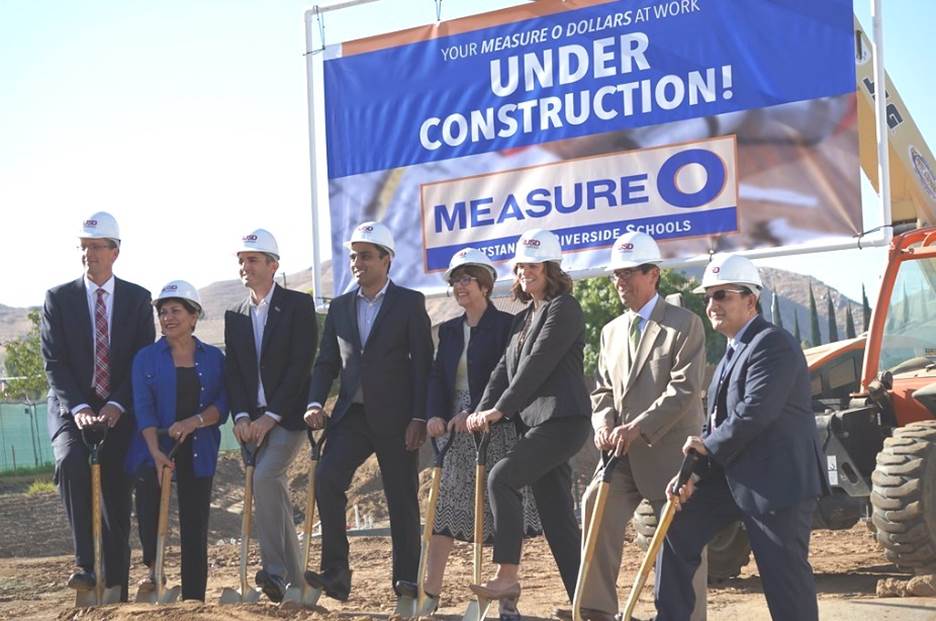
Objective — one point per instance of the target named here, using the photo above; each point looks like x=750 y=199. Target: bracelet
x=201 y=420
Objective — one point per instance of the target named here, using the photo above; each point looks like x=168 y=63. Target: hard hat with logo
x=259 y=240
x=100 y=225
x=182 y=290
x=632 y=249
x=372 y=233
x=730 y=269
x=537 y=246
x=469 y=256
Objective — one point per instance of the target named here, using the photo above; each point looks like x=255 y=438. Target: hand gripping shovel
x=246 y=594
x=93 y=438
x=669 y=511
x=162 y=595
x=413 y=601
x=609 y=461
x=305 y=594
x=477 y=608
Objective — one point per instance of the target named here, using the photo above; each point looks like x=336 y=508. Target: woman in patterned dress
x=470 y=346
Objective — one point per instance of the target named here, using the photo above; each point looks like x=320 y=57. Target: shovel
x=93 y=438
x=409 y=606
x=669 y=511
x=478 y=607
x=609 y=461
x=246 y=595
x=305 y=594
x=162 y=595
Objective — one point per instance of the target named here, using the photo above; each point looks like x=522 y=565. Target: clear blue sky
x=188 y=121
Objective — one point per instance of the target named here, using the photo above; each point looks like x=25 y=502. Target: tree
x=815 y=338
x=796 y=330
x=830 y=309
x=25 y=365
x=865 y=309
x=775 y=315
x=849 y=323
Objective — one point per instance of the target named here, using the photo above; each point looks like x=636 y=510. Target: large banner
x=712 y=125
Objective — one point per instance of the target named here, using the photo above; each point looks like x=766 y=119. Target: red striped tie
x=101 y=348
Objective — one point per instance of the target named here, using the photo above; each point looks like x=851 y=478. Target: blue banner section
x=576 y=73
x=601 y=235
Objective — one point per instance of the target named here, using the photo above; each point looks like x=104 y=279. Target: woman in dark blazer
x=470 y=346
x=178 y=384
x=540 y=380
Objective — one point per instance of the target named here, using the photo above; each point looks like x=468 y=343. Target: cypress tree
x=775 y=311
x=849 y=323
x=815 y=337
x=865 y=309
x=833 y=326
x=796 y=330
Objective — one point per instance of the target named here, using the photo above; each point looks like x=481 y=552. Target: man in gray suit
x=377 y=339
x=646 y=401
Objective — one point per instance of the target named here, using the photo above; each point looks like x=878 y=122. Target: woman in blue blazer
x=178 y=384
x=470 y=346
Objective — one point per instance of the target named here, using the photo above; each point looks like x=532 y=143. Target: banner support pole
x=880 y=114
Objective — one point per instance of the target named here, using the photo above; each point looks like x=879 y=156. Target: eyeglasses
x=623 y=274
x=93 y=247
x=464 y=280
x=721 y=294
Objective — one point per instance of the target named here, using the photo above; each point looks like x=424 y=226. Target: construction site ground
x=35 y=559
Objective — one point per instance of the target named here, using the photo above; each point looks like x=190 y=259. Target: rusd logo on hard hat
x=249 y=238
x=716 y=269
x=170 y=288
x=365 y=228
x=90 y=222
x=626 y=247
x=530 y=243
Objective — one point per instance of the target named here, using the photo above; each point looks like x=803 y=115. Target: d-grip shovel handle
x=440 y=452
x=481 y=439
x=316 y=444
x=93 y=437
x=164 y=433
x=690 y=461
x=248 y=454
x=608 y=461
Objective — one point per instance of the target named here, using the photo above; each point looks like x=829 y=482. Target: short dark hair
x=187 y=305
x=481 y=274
x=557 y=283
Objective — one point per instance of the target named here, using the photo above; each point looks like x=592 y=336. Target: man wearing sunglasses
x=646 y=401
x=761 y=458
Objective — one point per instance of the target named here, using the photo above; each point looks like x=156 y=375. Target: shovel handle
x=316 y=444
x=441 y=451
x=689 y=463
x=608 y=461
x=481 y=439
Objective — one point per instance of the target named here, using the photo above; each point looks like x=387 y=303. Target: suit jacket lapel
x=118 y=312
x=243 y=312
x=646 y=342
x=274 y=312
x=85 y=327
x=513 y=356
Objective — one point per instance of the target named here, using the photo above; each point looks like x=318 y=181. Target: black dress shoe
x=272 y=586
x=81 y=580
x=335 y=583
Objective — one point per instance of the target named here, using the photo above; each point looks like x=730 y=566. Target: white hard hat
x=632 y=249
x=372 y=233
x=469 y=256
x=730 y=269
x=182 y=290
x=259 y=240
x=537 y=246
x=100 y=225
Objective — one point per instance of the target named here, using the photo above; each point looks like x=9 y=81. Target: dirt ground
x=35 y=559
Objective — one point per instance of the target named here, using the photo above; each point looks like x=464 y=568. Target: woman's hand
x=481 y=421
x=161 y=461
x=180 y=430
x=459 y=422
x=435 y=426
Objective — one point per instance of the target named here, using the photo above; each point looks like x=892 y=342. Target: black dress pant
x=540 y=458
x=350 y=442
x=194 y=507
x=73 y=478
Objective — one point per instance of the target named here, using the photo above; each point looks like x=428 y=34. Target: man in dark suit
x=91 y=330
x=270 y=341
x=377 y=338
x=761 y=459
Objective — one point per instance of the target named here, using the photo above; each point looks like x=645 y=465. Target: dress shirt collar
x=733 y=341
x=92 y=288
x=380 y=294
x=265 y=302
x=647 y=309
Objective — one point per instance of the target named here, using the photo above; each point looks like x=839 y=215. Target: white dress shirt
x=91 y=293
x=259 y=312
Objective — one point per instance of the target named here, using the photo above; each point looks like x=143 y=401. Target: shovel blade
x=477 y=609
x=170 y=596
x=87 y=599
x=405 y=607
x=303 y=595
x=233 y=596
x=146 y=595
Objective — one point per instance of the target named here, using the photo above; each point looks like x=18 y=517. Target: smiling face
x=369 y=264
x=97 y=257
x=729 y=307
x=256 y=270
x=532 y=279
x=636 y=285
x=468 y=289
x=175 y=319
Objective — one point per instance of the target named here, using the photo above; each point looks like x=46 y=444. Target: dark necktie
x=720 y=413
x=101 y=382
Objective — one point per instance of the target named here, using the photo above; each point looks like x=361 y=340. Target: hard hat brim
x=448 y=273
x=623 y=265
x=347 y=246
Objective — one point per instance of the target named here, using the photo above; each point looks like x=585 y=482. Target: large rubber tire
x=903 y=497
x=728 y=551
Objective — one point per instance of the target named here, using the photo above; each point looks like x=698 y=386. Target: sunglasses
x=721 y=294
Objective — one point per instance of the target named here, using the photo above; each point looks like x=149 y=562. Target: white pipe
x=314 y=172
x=337 y=4
x=880 y=114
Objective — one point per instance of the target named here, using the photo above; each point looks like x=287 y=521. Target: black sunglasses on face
x=721 y=294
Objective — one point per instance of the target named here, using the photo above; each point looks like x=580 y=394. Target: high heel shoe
x=509 y=592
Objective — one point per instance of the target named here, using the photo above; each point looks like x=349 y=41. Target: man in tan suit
x=647 y=399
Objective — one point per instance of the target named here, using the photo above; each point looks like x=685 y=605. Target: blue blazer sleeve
x=144 y=392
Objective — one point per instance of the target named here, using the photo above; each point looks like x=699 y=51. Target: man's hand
x=459 y=422
x=603 y=439
x=85 y=418
x=315 y=418
x=622 y=436
x=109 y=415
x=482 y=421
x=415 y=435
x=684 y=492
x=260 y=427
x=435 y=426
x=242 y=430
x=694 y=442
